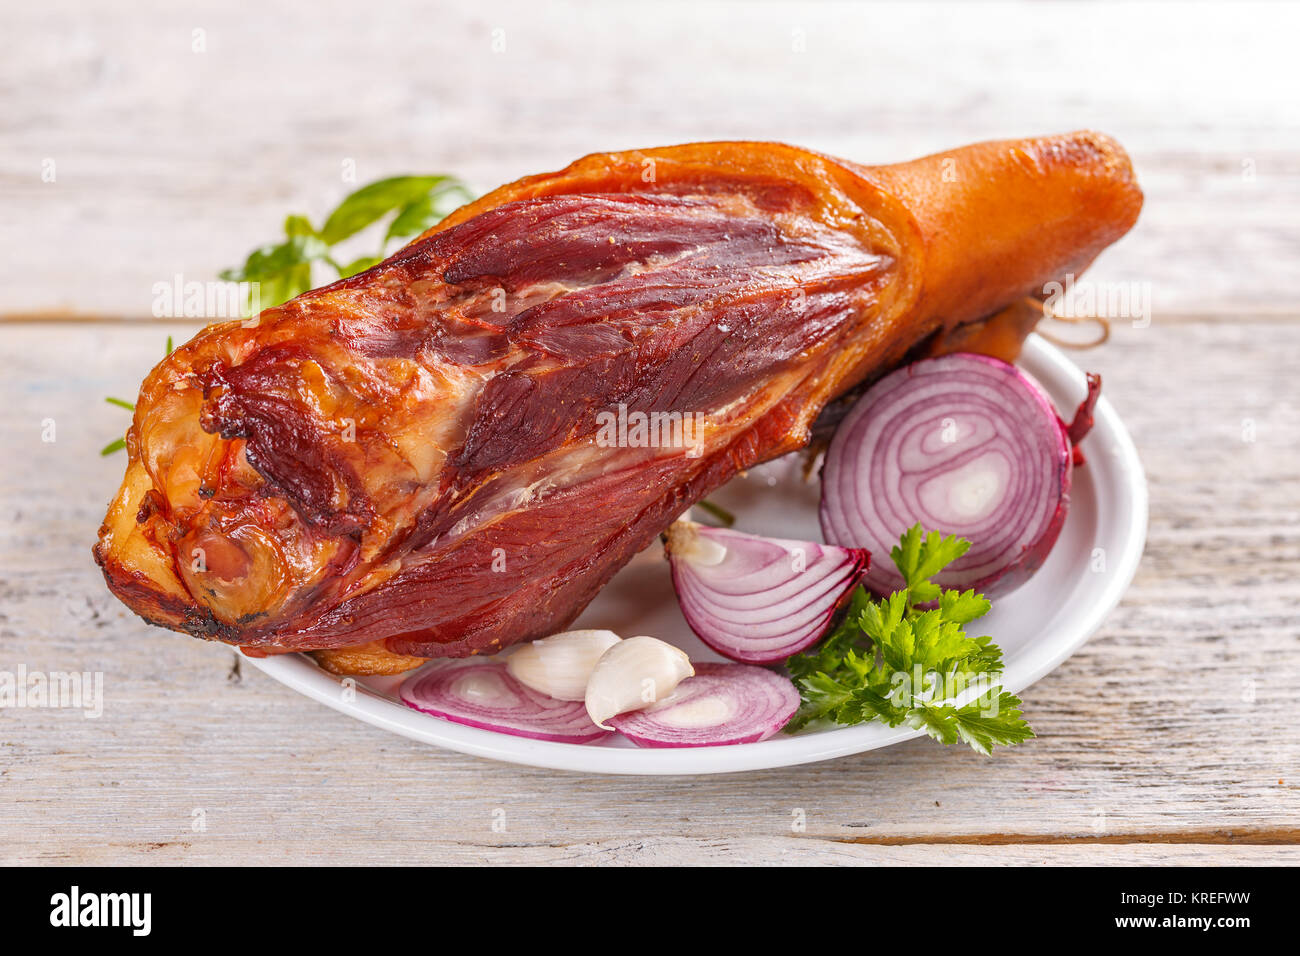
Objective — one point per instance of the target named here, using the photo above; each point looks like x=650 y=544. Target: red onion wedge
x=722 y=704
x=758 y=600
x=479 y=692
x=963 y=444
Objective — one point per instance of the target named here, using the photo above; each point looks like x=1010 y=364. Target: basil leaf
x=298 y=226
x=427 y=211
x=357 y=265
x=281 y=271
x=278 y=288
x=267 y=262
x=371 y=203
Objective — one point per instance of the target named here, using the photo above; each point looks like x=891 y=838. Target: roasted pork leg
x=455 y=450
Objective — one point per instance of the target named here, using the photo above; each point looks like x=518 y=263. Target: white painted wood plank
x=1175 y=724
x=173 y=161
x=656 y=851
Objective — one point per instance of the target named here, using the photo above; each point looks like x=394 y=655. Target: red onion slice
x=479 y=692
x=963 y=444
x=758 y=600
x=722 y=704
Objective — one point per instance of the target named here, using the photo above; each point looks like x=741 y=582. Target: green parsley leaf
x=866 y=704
x=822 y=696
x=987 y=659
x=906 y=659
x=842 y=638
x=963 y=606
x=920 y=557
x=1004 y=727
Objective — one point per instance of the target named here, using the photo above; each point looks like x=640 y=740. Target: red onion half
x=964 y=444
x=758 y=600
x=479 y=692
x=722 y=704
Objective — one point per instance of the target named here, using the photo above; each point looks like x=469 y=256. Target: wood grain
x=1169 y=738
x=170 y=159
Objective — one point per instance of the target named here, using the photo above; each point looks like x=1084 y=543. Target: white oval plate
x=1038 y=626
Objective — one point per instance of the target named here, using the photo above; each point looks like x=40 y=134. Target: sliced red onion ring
x=479 y=692
x=964 y=444
x=758 y=600
x=722 y=704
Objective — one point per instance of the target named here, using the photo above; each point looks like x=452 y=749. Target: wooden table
x=1170 y=737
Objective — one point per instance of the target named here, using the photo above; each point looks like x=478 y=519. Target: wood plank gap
x=1278 y=836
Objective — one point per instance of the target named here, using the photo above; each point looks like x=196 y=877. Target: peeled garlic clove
x=560 y=665
x=632 y=675
x=685 y=540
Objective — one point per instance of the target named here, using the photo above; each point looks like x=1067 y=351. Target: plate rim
x=302 y=675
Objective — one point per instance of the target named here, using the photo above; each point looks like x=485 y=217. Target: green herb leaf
x=120 y=443
x=847 y=634
x=986 y=660
x=281 y=270
x=866 y=704
x=890 y=661
x=277 y=258
x=920 y=557
x=299 y=226
x=358 y=265
x=822 y=695
x=880 y=620
x=964 y=606
x=371 y=203
x=1006 y=727
x=427 y=211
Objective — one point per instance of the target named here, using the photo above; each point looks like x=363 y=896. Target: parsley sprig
x=906 y=659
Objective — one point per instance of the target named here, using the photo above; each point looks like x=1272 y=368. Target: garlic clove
x=632 y=675
x=685 y=540
x=560 y=665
